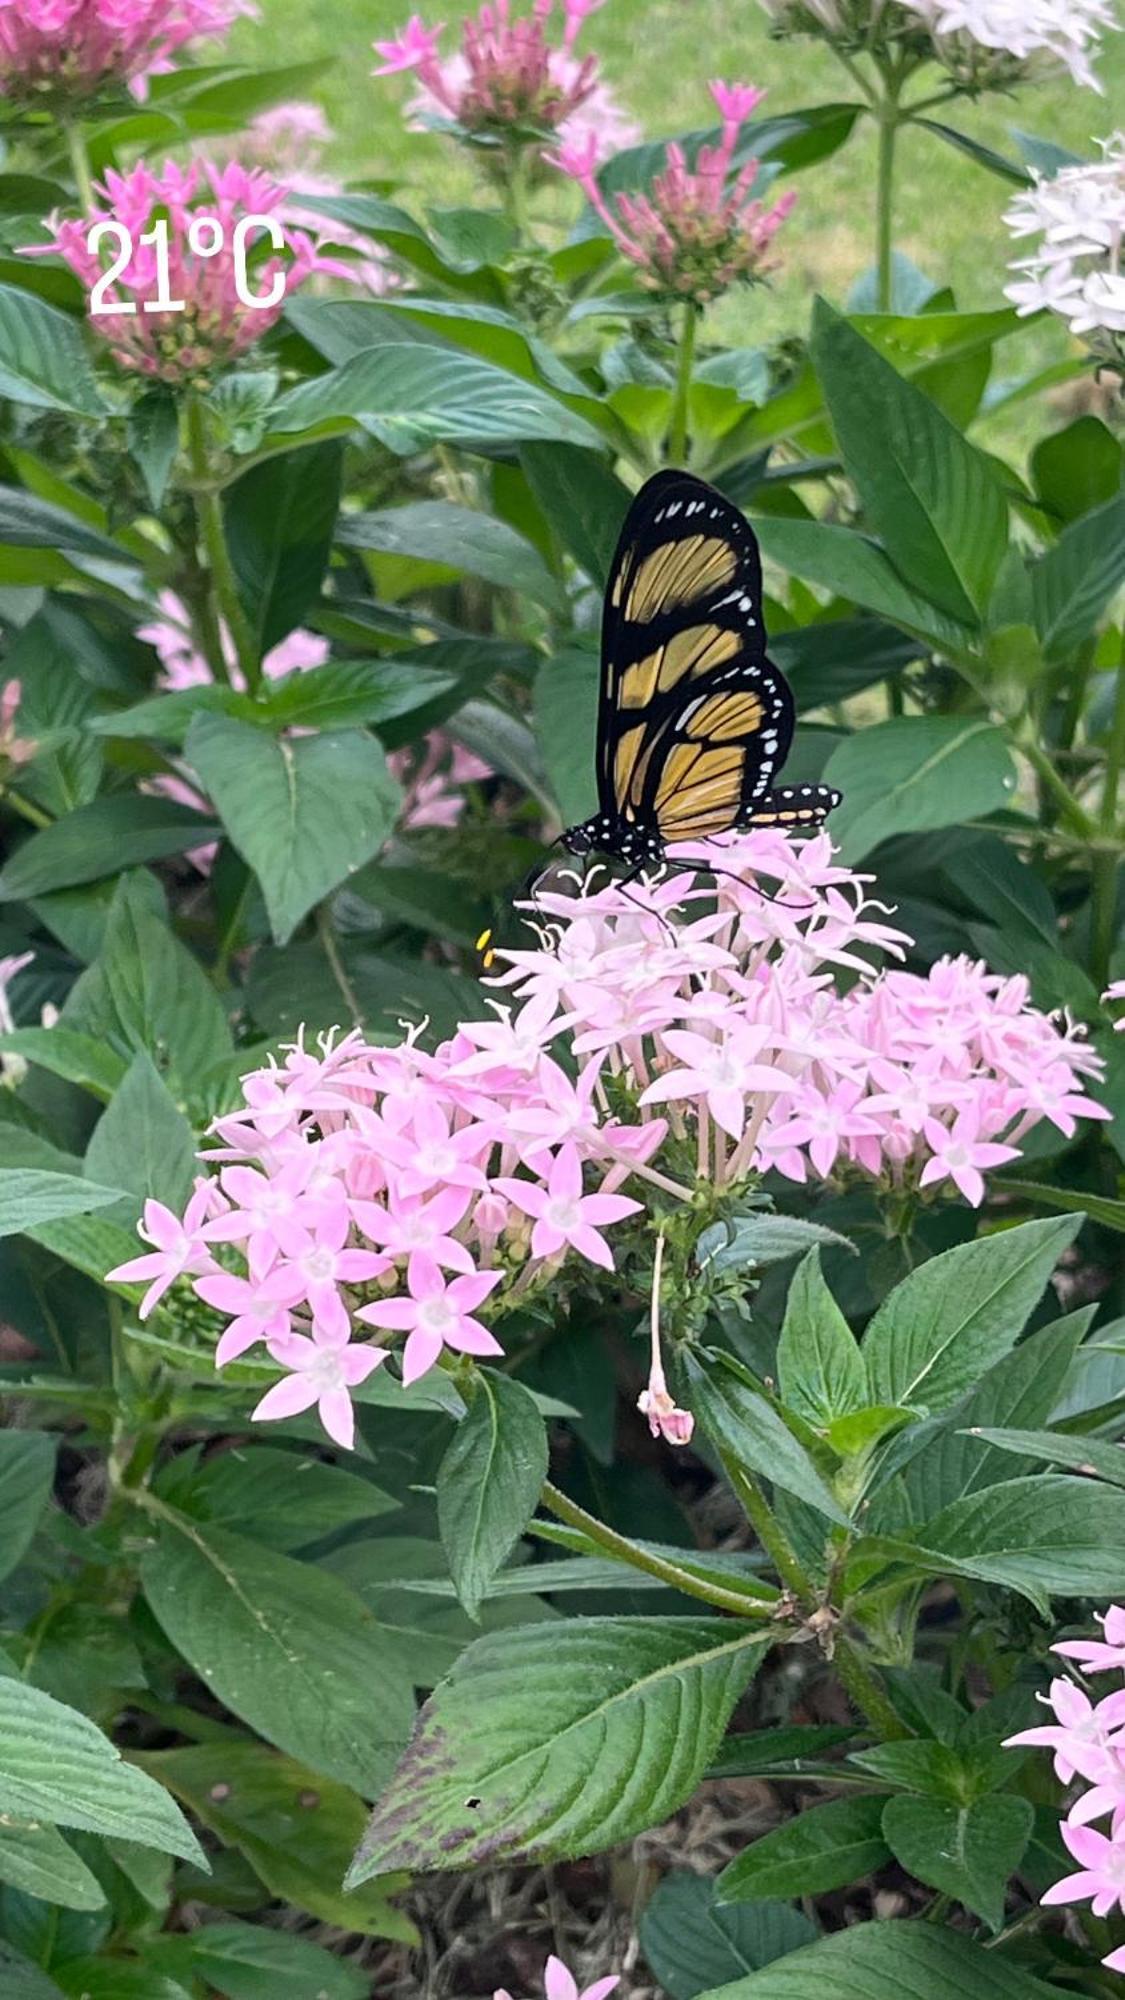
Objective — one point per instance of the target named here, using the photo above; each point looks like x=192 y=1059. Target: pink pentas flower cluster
x=202 y=205
x=655 y=1036
x=508 y=82
x=696 y=232
x=78 y=48
x=1088 y=1740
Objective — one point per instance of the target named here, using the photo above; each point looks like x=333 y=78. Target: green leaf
x=21 y=1980
x=777 y=1752
x=993 y=878
x=873 y=1961
x=36 y=1860
x=1075 y=1201
x=113 y=832
x=146 y=991
x=458 y=538
x=931 y=496
x=76 y=1058
x=279 y=519
x=854 y=567
x=489 y=1482
x=57 y=1766
x=1077 y=468
x=920 y=1765
x=116 y=1979
x=1078 y=1454
x=958 y=1313
x=692 y=1944
x=1075 y=580
x=290 y=1650
x=27 y=1472
x=914 y=773
x=29 y=1196
x=153 y=430
x=295 y=1827
x=985 y=156
x=142 y=1142
x=1044 y=1536
x=408 y=394
x=740 y=1422
x=572 y=1737
x=252 y=1962
x=565 y=700
x=280 y=1499
x=43 y=359
x=303 y=814
x=819 y=1366
x=344 y=693
x=583 y=500
x=826 y=1847
x=760 y=1240
x=967 y=1851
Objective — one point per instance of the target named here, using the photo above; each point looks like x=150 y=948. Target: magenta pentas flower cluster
x=1088 y=1739
x=509 y=82
x=78 y=48
x=655 y=1040
x=696 y=232
x=213 y=326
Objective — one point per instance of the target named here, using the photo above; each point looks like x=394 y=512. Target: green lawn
x=658 y=55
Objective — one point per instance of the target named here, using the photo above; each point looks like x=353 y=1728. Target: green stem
x=331 y=949
x=34 y=815
x=765 y=1525
x=675 y=449
x=866 y=1692
x=1072 y=809
x=888 y=118
x=80 y=167
x=1106 y=864
x=625 y=1551
x=226 y=603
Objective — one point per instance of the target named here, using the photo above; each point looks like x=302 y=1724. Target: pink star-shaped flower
x=563 y=1214
x=320 y=1373
x=416 y=46
x=723 y=1073
x=1099 y=1656
x=178 y=1248
x=559 y=1984
x=437 y=1314
x=261 y=1307
x=959 y=1155
x=412 y=1224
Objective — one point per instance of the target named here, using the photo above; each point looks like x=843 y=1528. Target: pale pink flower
x=563 y=1214
x=417 y=45
x=261 y=1308
x=723 y=1073
x=1099 y=1656
x=1100 y=1875
x=179 y=1248
x=318 y=1373
x=559 y=1984
x=959 y=1154
x=1116 y=991
x=410 y=1224
x=437 y=1314
x=1082 y=1735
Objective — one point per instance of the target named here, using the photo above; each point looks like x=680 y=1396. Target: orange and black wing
x=694 y=720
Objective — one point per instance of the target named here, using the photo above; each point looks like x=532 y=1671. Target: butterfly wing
x=694 y=720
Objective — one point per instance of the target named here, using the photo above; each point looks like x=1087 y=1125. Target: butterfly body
x=694 y=720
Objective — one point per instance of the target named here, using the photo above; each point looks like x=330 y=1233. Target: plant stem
x=331 y=949
x=34 y=815
x=764 y=1523
x=675 y=448
x=1073 y=810
x=226 y=605
x=1106 y=864
x=866 y=1692
x=888 y=117
x=670 y=1573
x=80 y=166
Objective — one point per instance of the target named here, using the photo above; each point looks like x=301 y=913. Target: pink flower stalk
x=214 y=326
x=696 y=233
x=671 y=1033
x=665 y=1420
x=559 y=1984
x=1089 y=1741
x=76 y=49
x=507 y=82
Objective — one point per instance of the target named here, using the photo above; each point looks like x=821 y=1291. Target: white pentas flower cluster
x=982 y=44
x=1076 y=269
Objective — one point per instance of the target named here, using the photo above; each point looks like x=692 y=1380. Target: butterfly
x=694 y=722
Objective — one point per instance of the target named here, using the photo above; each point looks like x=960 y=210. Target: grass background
x=657 y=55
